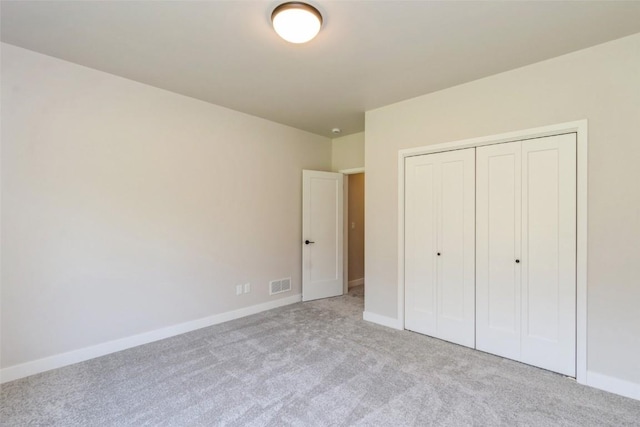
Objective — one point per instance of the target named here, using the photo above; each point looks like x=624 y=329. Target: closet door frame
x=580 y=129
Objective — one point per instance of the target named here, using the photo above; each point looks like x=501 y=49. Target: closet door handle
x=438 y=253
x=517 y=261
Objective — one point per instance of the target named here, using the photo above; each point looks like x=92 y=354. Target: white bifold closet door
x=526 y=251
x=440 y=245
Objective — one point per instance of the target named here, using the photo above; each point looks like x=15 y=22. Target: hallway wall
x=356 y=226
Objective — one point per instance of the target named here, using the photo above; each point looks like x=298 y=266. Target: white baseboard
x=389 y=322
x=613 y=385
x=59 y=360
x=356 y=282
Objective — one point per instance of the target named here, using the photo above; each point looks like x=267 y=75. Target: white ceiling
x=368 y=54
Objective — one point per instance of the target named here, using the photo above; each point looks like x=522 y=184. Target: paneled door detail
x=420 y=244
x=549 y=253
x=498 y=249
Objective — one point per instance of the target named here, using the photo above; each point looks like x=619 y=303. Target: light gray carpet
x=307 y=364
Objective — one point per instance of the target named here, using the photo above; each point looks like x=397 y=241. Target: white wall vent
x=286 y=284
x=280 y=285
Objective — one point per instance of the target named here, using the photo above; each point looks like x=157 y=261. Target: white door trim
x=345 y=233
x=580 y=128
x=352 y=171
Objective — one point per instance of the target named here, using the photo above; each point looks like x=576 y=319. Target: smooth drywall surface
x=601 y=84
x=356 y=226
x=347 y=152
x=127 y=208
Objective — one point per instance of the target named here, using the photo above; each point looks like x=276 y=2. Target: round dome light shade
x=296 y=22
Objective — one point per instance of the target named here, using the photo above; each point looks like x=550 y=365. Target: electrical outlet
x=238 y=289
x=247 y=288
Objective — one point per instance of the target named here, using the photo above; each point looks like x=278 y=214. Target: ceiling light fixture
x=296 y=22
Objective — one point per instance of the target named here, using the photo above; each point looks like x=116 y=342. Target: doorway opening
x=354 y=233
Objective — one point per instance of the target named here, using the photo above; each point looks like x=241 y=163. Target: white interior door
x=439 y=251
x=456 y=247
x=526 y=251
x=497 y=249
x=421 y=245
x=549 y=253
x=322 y=234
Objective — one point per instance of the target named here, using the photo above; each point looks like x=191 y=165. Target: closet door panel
x=456 y=245
x=498 y=198
x=420 y=244
x=548 y=252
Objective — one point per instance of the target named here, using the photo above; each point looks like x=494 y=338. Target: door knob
x=517 y=261
x=438 y=253
x=306 y=242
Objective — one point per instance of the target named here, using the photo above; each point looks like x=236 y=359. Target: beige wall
x=127 y=208
x=601 y=84
x=347 y=152
x=356 y=226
